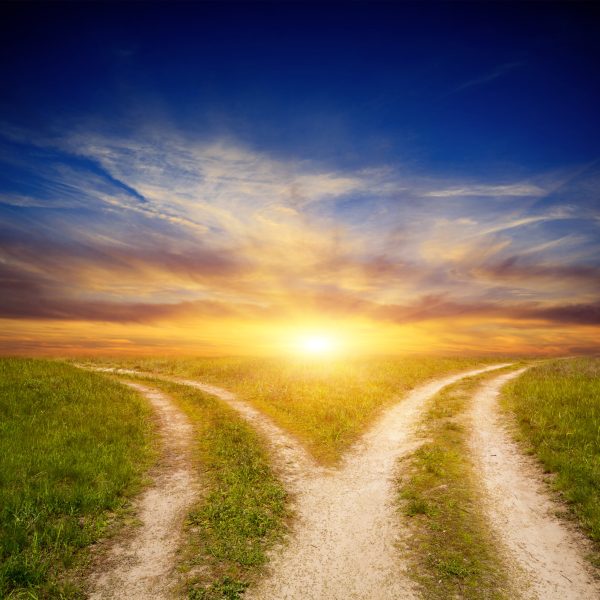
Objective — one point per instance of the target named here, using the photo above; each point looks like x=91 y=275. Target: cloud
x=65 y=309
x=514 y=268
x=436 y=307
x=522 y=222
x=485 y=78
x=499 y=191
x=155 y=227
x=571 y=314
x=31 y=295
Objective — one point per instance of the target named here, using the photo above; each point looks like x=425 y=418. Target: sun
x=317 y=344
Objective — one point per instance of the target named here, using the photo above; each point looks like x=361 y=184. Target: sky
x=221 y=178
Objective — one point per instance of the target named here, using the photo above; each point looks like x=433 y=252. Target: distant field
x=73 y=446
x=557 y=404
x=326 y=403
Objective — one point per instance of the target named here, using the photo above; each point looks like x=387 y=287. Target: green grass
x=73 y=447
x=326 y=403
x=451 y=549
x=244 y=510
x=557 y=406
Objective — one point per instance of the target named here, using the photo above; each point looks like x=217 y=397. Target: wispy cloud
x=164 y=228
x=513 y=189
x=487 y=77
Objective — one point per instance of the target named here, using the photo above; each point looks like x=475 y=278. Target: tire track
x=522 y=514
x=346 y=536
x=142 y=566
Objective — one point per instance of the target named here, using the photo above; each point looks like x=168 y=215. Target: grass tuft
x=226 y=589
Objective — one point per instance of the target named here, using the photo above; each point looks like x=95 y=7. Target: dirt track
x=543 y=548
x=346 y=538
x=291 y=461
x=344 y=545
x=139 y=564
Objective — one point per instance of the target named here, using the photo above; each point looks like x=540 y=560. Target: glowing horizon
x=422 y=198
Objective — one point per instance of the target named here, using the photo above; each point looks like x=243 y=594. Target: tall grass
x=327 y=403
x=243 y=510
x=557 y=405
x=73 y=446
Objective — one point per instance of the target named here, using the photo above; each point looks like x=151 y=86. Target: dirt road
x=543 y=548
x=345 y=541
x=139 y=564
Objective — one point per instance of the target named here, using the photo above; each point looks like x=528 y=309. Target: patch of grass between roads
x=451 y=550
x=557 y=406
x=73 y=449
x=326 y=403
x=243 y=511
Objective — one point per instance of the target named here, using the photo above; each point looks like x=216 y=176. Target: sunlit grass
x=326 y=403
x=73 y=446
x=557 y=405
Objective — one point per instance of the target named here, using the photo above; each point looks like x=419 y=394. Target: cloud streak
x=496 y=191
x=485 y=78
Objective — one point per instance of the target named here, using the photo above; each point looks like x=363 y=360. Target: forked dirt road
x=140 y=566
x=291 y=461
x=345 y=541
x=545 y=550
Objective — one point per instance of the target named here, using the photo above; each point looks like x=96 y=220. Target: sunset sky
x=225 y=179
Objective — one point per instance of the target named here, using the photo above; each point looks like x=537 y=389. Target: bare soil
x=139 y=564
x=546 y=552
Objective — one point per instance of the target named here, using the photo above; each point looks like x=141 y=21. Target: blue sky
x=399 y=163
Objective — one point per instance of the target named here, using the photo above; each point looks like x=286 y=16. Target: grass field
x=557 y=405
x=74 y=445
x=451 y=550
x=73 y=448
x=244 y=508
x=326 y=403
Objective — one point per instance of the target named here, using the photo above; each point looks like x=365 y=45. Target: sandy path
x=344 y=545
x=141 y=566
x=522 y=514
x=291 y=461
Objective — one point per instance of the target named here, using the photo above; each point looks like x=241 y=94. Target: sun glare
x=317 y=344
